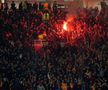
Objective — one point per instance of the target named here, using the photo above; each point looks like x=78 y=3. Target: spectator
x=13 y=6
x=40 y=87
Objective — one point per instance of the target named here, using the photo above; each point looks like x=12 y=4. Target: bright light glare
x=2 y=1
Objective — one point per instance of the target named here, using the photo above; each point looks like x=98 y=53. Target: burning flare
x=65 y=26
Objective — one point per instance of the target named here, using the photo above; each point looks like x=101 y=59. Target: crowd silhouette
x=82 y=65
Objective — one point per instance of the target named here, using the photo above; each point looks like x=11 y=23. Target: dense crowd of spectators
x=80 y=66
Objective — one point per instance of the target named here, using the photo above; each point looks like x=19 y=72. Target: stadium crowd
x=80 y=66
